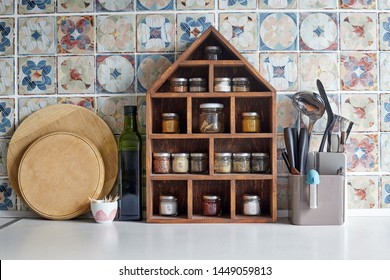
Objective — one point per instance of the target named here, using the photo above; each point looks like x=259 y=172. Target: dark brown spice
x=211 y=205
x=161 y=163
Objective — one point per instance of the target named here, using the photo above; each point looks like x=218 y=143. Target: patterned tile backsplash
x=104 y=54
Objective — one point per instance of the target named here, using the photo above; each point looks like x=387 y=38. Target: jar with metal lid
x=223 y=163
x=260 y=163
x=251 y=205
x=178 y=85
x=180 y=163
x=212 y=52
x=241 y=162
x=211 y=205
x=168 y=205
x=198 y=85
x=161 y=163
x=250 y=122
x=240 y=84
x=199 y=162
x=211 y=118
x=222 y=84
x=170 y=123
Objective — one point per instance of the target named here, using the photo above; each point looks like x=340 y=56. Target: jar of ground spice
x=240 y=84
x=211 y=205
x=250 y=122
x=198 y=85
x=241 y=162
x=222 y=84
x=199 y=162
x=168 y=205
x=180 y=163
x=178 y=85
x=223 y=163
x=170 y=123
x=161 y=163
x=251 y=205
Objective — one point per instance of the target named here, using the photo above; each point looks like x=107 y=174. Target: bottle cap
x=130 y=110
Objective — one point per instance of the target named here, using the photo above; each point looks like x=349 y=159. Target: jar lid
x=240 y=79
x=168 y=197
x=241 y=154
x=224 y=79
x=250 y=196
x=223 y=154
x=211 y=197
x=260 y=155
x=212 y=48
x=180 y=155
x=170 y=115
x=161 y=154
x=184 y=80
x=199 y=155
x=201 y=80
x=210 y=105
x=250 y=114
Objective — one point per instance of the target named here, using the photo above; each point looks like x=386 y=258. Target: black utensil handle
x=303 y=149
x=295 y=144
x=289 y=142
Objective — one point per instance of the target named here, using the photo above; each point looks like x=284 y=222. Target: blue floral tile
x=195 y=4
x=318 y=31
x=27 y=106
x=36 y=6
x=385 y=152
x=362 y=192
x=237 y=4
x=385 y=192
x=318 y=4
x=37 y=75
x=114 y=5
x=7 y=7
x=7 y=71
x=252 y=58
x=75 y=6
x=362 y=152
x=286 y=113
x=7 y=115
x=4 y=143
x=161 y=5
x=190 y=27
x=150 y=68
x=36 y=35
x=278 y=31
x=384 y=31
x=240 y=29
x=280 y=69
x=115 y=33
x=155 y=33
x=277 y=4
x=385 y=112
x=86 y=102
x=6 y=36
x=115 y=73
x=7 y=196
x=361 y=4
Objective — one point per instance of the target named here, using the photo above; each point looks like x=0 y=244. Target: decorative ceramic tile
x=76 y=74
x=358 y=71
x=115 y=73
x=27 y=106
x=360 y=4
x=114 y=5
x=385 y=152
x=280 y=69
x=110 y=109
x=384 y=4
x=7 y=196
x=7 y=110
x=75 y=34
x=278 y=31
x=322 y=66
x=282 y=195
x=318 y=31
x=36 y=6
x=362 y=109
x=318 y=4
x=286 y=113
x=141 y=114
x=362 y=192
x=37 y=75
x=150 y=5
x=362 y=152
x=6 y=36
x=237 y=4
x=150 y=68
x=358 y=31
x=74 y=6
x=384 y=70
x=7 y=7
x=385 y=192
x=115 y=33
x=191 y=27
x=3 y=156
x=36 y=35
x=86 y=102
x=385 y=112
x=384 y=31
x=252 y=58
x=155 y=33
x=277 y=4
x=6 y=76
x=195 y=4
x=240 y=29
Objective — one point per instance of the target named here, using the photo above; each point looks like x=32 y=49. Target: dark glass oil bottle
x=130 y=185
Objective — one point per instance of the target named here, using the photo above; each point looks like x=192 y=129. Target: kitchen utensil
x=303 y=149
x=290 y=145
x=295 y=142
x=329 y=112
x=285 y=158
x=64 y=118
x=310 y=105
x=58 y=173
x=313 y=179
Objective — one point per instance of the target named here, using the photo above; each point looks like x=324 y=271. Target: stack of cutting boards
x=59 y=157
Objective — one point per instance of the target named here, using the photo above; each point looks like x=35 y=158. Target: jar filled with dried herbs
x=161 y=163
x=198 y=85
x=211 y=118
x=260 y=163
x=180 y=163
x=178 y=85
x=223 y=163
x=241 y=162
x=240 y=84
x=211 y=205
x=199 y=162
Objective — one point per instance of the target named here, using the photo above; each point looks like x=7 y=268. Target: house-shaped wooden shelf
x=190 y=188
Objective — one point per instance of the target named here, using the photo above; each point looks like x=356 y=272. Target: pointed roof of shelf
x=212 y=35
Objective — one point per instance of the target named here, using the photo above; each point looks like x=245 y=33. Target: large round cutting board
x=64 y=118
x=58 y=173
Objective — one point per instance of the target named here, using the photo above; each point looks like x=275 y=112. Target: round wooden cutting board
x=64 y=118
x=58 y=173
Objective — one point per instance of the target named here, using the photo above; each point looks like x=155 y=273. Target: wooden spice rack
x=190 y=188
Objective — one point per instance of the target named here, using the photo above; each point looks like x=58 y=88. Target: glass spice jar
x=241 y=162
x=212 y=52
x=222 y=84
x=161 y=163
x=240 y=84
x=180 y=163
x=168 y=205
x=211 y=118
x=199 y=162
x=198 y=85
x=251 y=205
x=211 y=205
x=178 y=85
x=250 y=122
x=170 y=123
x=260 y=163
x=223 y=163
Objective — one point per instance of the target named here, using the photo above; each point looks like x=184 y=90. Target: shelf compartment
x=243 y=145
x=172 y=105
x=180 y=145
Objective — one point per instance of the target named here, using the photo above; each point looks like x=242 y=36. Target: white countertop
x=358 y=238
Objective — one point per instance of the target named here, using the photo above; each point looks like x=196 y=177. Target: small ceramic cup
x=104 y=212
